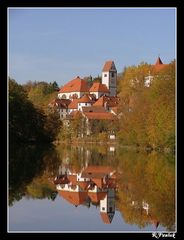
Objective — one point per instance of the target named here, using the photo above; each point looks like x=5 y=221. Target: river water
x=90 y=188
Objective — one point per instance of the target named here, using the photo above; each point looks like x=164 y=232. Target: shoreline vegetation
x=112 y=143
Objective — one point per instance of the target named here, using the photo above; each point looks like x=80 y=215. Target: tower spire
x=159 y=61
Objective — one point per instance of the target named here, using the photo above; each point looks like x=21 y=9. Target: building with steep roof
x=107 y=102
x=109 y=77
x=99 y=89
x=157 y=67
x=86 y=101
x=75 y=88
x=62 y=107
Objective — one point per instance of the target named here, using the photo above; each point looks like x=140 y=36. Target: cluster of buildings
x=92 y=185
x=95 y=185
x=98 y=101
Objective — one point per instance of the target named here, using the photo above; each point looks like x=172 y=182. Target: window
x=103 y=208
x=112 y=74
x=63 y=96
x=85 y=104
x=105 y=75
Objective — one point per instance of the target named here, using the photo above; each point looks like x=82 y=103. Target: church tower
x=109 y=77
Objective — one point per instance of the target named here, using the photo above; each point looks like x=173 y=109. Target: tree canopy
x=147 y=114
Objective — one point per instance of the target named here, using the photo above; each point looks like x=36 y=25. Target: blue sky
x=59 y=44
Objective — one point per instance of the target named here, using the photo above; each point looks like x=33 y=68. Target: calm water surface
x=90 y=188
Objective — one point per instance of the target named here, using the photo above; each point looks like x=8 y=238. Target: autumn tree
x=147 y=114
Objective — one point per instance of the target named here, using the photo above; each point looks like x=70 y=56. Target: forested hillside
x=147 y=114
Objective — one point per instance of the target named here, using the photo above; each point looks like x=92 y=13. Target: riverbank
x=115 y=143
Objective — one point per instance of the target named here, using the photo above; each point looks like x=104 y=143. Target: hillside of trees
x=147 y=114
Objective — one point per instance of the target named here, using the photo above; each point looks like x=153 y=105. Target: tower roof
x=159 y=65
x=106 y=218
x=159 y=61
x=108 y=66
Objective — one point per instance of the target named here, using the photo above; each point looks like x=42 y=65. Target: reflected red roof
x=97 y=196
x=75 y=85
x=105 y=217
x=72 y=179
x=75 y=198
x=83 y=185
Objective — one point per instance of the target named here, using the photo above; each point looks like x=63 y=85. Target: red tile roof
x=73 y=104
x=159 y=65
x=99 y=87
x=75 y=198
x=111 y=101
x=107 y=66
x=93 y=109
x=75 y=85
x=99 y=116
x=61 y=103
x=85 y=99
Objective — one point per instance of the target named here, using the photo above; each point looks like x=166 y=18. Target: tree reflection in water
x=29 y=169
x=145 y=182
x=139 y=185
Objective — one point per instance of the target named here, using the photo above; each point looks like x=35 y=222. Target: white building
x=76 y=88
x=107 y=206
x=109 y=77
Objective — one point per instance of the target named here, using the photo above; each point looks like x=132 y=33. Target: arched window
x=63 y=96
x=75 y=96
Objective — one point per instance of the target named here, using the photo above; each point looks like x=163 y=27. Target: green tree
x=25 y=122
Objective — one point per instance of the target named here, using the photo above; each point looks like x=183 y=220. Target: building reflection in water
x=94 y=184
